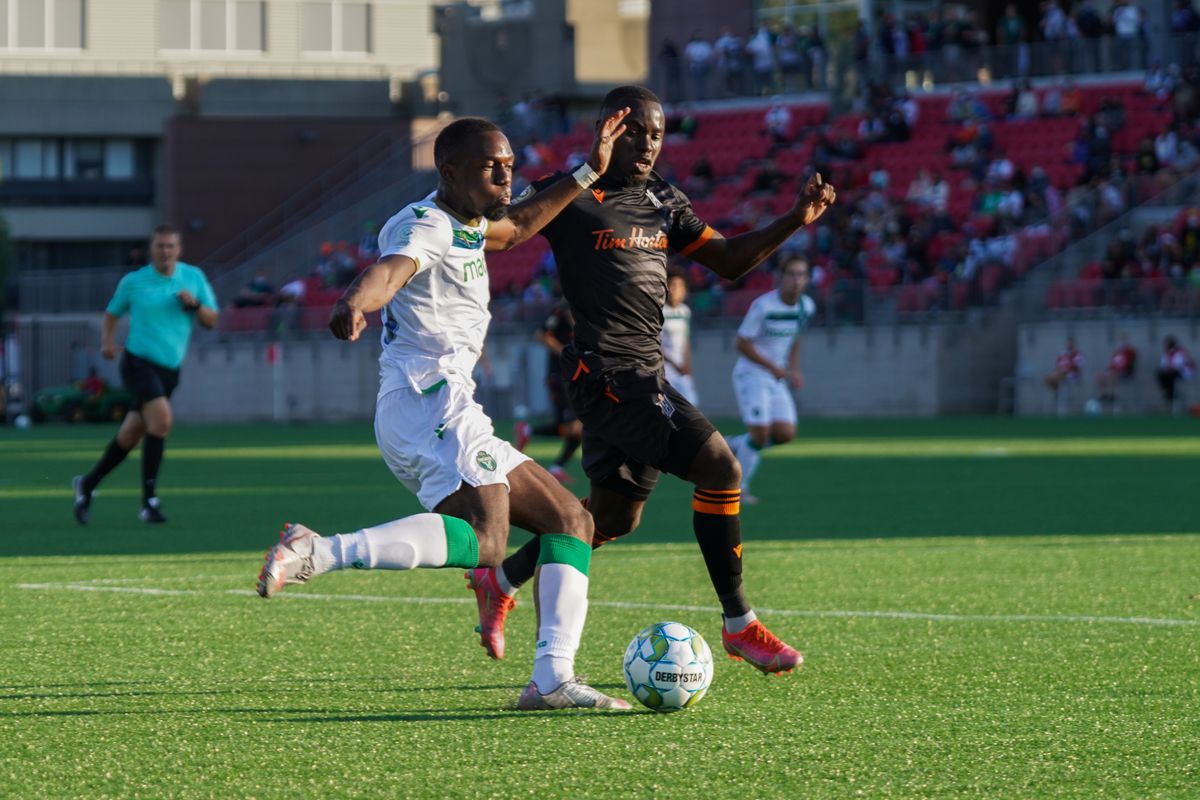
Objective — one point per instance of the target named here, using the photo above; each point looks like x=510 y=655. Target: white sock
x=739 y=624
x=562 y=609
x=503 y=582
x=749 y=456
x=408 y=543
x=735 y=444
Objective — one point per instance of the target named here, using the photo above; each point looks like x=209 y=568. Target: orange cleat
x=494 y=606
x=761 y=648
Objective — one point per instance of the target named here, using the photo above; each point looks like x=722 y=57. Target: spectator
x=761 y=50
x=699 y=57
x=368 y=245
x=1175 y=366
x=731 y=62
x=257 y=292
x=93 y=385
x=700 y=180
x=1067 y=367
x=791 y=60
x=1121 y=366
x=1024 y=102
x=778 y=122
x=1126 y=21
x=1052 y=102
x=1072 y=99
x=668 y=62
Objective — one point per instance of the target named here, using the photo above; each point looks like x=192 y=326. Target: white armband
x=585 y=176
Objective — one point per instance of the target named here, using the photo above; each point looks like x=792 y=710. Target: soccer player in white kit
x=769 y=368
x=431 y=283
x=677 y=338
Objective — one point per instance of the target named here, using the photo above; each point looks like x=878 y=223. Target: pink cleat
x=761 y=648
x=494 y=606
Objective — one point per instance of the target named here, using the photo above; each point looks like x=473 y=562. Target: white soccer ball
x=22 y=421
x=520 y=412
x=668 y=666
x=1092 y=407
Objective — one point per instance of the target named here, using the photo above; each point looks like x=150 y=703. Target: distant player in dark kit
x=611 y=246
x=162 y=299
x=555 y=334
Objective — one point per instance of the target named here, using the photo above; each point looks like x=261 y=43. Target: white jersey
x=434 y=328
x=771 y=325
x=676 y=331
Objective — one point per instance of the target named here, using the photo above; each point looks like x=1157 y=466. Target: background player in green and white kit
x=162 y=300
x=431 y=284
x=769 y=368
x=677 y=338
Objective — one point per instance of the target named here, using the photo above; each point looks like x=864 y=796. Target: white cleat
x=572 y=694
x=290 y=561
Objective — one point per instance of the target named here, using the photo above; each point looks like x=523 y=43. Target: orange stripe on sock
x=730 y=509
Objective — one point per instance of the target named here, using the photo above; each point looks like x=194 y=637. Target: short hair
x=676 y=272
x=787 y=262
x=623 y=96
x=450 y=141
x=164 y=229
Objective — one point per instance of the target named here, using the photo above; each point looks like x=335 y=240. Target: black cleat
x=151 y=513
x=83 y=500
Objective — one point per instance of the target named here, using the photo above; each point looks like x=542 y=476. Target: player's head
x=793 y=279
x=165 y=246
x=635 y=152
x=677 y=288
x=474 y=163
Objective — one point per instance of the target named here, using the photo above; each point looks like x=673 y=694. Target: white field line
x=782 y=612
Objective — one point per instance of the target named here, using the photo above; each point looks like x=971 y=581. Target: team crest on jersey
x=485 y=459
x=404 y=236
x=470 y=240
x=420 y=211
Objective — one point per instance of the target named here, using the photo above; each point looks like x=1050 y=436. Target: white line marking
x=85 y=587
x=782 y=612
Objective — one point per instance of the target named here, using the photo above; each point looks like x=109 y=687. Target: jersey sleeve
x=424 y=238
x=118 y=306
x=538 y=185
x=751 y=326
x=810 y=307
x=688 y=232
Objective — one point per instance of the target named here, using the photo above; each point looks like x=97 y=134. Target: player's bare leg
x=717 y=524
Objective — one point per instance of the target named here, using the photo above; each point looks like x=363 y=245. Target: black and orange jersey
x=611 y=246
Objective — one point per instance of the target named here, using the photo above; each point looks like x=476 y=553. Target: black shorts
x=635 y=426
x=563 y=413
x=146 y=380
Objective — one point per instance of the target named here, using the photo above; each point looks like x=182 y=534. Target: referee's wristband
x=585 y=176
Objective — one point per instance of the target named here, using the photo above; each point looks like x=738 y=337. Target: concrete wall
x=1039 y=343
x=894 y=371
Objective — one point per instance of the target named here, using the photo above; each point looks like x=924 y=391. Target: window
x=41 y=24
x=212 y=25
x=335 y=26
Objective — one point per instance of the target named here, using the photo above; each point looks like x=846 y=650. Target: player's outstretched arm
x=734 y=257
x=528 y=217
x=370 y=291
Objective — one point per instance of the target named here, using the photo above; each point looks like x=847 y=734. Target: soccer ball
x=668 y=666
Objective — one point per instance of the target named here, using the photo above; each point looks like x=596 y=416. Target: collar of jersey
x=617 y=186
x=474 y=223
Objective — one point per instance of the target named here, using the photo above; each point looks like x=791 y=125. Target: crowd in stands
x=950 y=43
x=943 y=199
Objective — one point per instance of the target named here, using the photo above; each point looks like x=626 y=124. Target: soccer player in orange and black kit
x=611 y=248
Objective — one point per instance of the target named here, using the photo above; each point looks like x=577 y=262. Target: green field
x=988 y=608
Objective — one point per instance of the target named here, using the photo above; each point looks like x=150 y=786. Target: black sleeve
x=536 y=186
x=688 y=232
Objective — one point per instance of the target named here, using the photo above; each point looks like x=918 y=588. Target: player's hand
x=187 y=300
x=109 y=350
x=346 y=322
x=814 y=198
x=779 y=373
x=796 y=379
x=606 y=136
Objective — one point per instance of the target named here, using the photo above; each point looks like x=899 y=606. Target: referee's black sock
x=152 y=456
x=113 y=455
x=569 y=446
x=718 y=531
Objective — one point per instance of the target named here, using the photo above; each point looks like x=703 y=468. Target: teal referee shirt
x=159 y=327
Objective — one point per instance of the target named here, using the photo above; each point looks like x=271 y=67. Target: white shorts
x=762 y=399
x=435 y=442
x=684 y=384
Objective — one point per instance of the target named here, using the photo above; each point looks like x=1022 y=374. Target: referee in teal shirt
x=162 y=299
